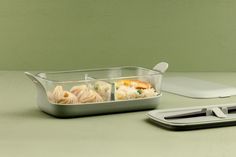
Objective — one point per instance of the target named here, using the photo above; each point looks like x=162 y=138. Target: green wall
x=192 y=35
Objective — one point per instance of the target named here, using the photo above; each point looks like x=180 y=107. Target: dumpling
x=84 y=94
x=62 y=97
x=103 y=89
x=89 y=96
x=57 y=93
x=76 y=90
x=68 y=98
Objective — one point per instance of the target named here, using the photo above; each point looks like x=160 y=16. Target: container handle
x=33 y=78
x=161 y=67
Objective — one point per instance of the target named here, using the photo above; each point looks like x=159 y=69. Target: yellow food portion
x=134 y=83
x=133 y=89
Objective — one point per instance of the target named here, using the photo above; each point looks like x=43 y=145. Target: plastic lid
x=196 y=88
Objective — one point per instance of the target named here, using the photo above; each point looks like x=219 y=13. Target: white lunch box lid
x=196 y=88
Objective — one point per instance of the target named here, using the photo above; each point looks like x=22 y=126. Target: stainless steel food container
x=46 y=81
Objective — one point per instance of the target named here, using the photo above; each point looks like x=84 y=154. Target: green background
x=191 y=35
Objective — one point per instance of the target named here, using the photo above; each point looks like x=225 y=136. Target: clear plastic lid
x=98 y=74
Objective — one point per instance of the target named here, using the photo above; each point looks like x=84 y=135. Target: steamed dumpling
x=76 y=90
x=68 y=98
x=84 y=94
x=57 y=93
x=62 y=97
x=103 y=89
x=90 y=96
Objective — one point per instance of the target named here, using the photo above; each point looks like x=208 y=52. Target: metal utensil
x=216 y=111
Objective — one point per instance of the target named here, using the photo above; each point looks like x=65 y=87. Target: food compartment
x=79 y=92
x=127 y=89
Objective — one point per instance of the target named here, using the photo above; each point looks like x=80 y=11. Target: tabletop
x=26 y=131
